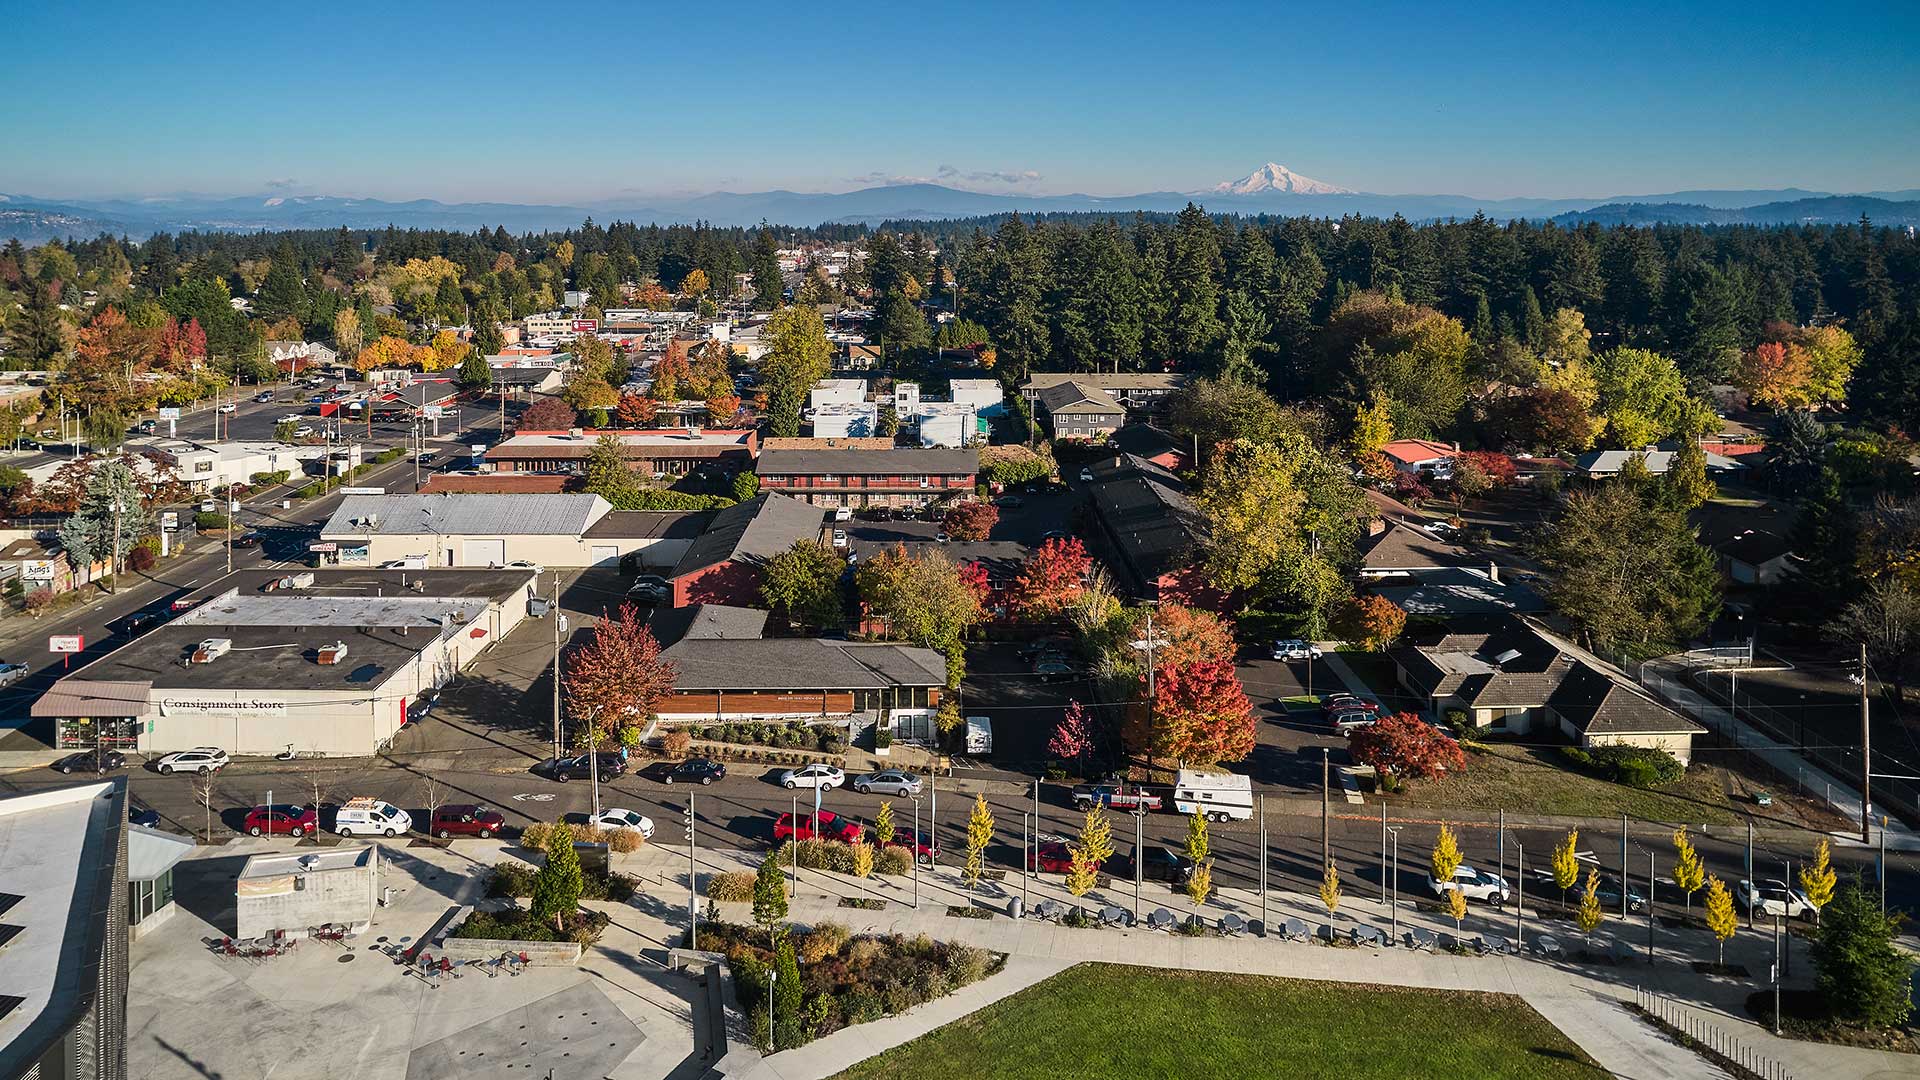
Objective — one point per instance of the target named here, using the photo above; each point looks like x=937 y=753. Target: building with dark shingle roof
x=724 y=564
x=1149 y=533
x=1510 y=676
x=1075 y=410
x=797 y=678
x=1427 y=574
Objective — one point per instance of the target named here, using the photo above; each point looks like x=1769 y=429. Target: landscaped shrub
x=269 y=479
x=893 y=859
x=511 y=879
x=1634 y=766
x=141 y=559
x=535 y=836
x=734 y=886
x=822 y=941
x=583 y=927
x=624 y=841
x=676 y=743
x=37 y=600
x=207 y=521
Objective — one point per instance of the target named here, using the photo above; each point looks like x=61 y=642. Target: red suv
x=831 y=827
x=281 y=818
x=467 y=820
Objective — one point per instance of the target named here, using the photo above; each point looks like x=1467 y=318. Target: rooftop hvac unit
x=300 y=581
x=334 y=653
x=1507 y=657
x=212 y=649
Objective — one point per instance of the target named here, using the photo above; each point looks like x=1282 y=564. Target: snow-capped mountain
x=1280 y=180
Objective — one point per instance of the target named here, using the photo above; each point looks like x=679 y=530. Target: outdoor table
x=1496 y=943
x=1620 y=952
x=1369 y=935
x=1116 y=916
x=1546 y=945
x=1295 y=928
x=1160 y=919
x=1232 y=923
x=1420 y=938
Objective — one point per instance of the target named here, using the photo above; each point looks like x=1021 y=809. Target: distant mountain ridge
x=1271 y=189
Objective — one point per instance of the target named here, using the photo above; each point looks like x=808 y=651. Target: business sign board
x=433 y=412
x=169 y=519
x=66 y=643
x=363 y=491
x=585 y=326
x=221 y=706
x=37 y=569
x=170 y=413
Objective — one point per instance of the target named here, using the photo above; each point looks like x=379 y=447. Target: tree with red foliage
x=1200 y=714
x=1498 y=468
x=1545 y=418
x=1404 y=745
x=182 y=342
x=721 y=409
x=1071 y=740
x=1188 y=635
x=635 y=411
x=1409 y=489
x=1372 y=622
x=971 y=520
x=974 y=576
x=1051 y=578
x=617 y=678
x=547 y=414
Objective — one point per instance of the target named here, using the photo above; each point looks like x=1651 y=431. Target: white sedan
x=616 y=818
x=824 y=777
x=200 y=759
x=1774 y=897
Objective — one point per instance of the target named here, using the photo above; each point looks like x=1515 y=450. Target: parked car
x=1115 y=797
x=142 y=816
x=1050 y=856
x=1010 y=502
x=888 y=782
x=581 y=766
x=263 y=396
x=204 y=760
x=365 y=816
x=406 y=562
x=650 y=589
x=1052 y=668
x=466 y=819
x=1295 y=649
x=1086 y=476
x=1039 y=647
x=824 y=777
x=525 y=564
x=1351 y=720
x=614 y=817
x=228 y=407
x=1771 y=896
x=1344 y=702
x=13 y=673
x=249 y=539
x=1157 y=863
x=294 y=821
x=839 y=538
x=102 y=761
x=829 y=826
x=700 y=771
x=1475 y=884
x=303 y=431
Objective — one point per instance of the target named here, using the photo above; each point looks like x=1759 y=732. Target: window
x=826 y=478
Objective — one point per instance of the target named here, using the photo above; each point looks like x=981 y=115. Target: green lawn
x=1535 y=780
x=1103 y=1021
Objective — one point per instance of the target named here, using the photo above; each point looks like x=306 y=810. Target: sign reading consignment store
x=218 y=706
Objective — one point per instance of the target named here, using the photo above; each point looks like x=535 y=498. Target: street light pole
x=1326 y=773
x=813 y=828
x=915 y=847
x=1263 y=863
x=693 y=893
x=1025 y=832
x=1394 y=905
x=1520 y=904
x=1139 y=838
x=773 y=976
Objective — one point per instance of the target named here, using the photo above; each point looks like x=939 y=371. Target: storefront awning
x=93 y=697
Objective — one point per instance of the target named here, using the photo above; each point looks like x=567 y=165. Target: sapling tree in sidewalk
x=1200 y=850
x=979 y=835
x=1721 y=918
x=1689 y=870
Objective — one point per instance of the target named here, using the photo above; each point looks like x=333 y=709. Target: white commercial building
x=945 y=423
x=206 y=466
x=837 y=392
x=846 y=420
x=488 y=530
x=984 y=395
x=325 y=662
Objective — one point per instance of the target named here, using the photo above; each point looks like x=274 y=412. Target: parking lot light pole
x=914 y=848
x=1139 y=857
x=1263 y=860
x=1393 y=906
x=1025 y=826
x=1520 y=905
x=813 y=827
x=1623 y=870
x=693 y=892
x=1383 y=851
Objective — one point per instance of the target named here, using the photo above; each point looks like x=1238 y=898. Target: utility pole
x=558 y=618
x=693 y=891
x=593 y=761
x=1866 y=758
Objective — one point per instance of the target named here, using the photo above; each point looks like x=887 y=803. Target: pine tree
x=556 y=888
x=1193 y=279
x=1863 y=975
x=788 y=993
x=769 y=894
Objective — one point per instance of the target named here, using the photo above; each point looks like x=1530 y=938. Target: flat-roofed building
x=656 y=452
x=897 y=477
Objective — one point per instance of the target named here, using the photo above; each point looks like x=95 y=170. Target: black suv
x=581 y=767
x=1156 y=864
x=103 y=761
x=693 y=771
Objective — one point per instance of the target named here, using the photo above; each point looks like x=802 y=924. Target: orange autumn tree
x=617 y=678
x=1199 y=715
x=722 y=408
x=1051 y=578
x=635 y=411
x=1778 y=374
x=1188 y=635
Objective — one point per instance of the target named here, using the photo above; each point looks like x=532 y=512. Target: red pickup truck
x=1114 y=797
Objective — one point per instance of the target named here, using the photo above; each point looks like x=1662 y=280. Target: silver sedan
x=887 y=782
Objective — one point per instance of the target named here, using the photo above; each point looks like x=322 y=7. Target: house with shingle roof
x=1076 y=410
x=1509 y=675
x=1427 y=574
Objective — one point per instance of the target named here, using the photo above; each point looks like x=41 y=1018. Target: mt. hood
x=1277 y=179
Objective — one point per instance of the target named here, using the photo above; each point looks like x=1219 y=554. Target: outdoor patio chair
x=1546 y=945
x=1449 y=942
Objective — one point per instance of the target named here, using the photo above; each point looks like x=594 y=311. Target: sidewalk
x=1586 y=1001
x=1843 y=795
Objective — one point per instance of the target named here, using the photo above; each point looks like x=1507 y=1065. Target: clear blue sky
x=587 y=101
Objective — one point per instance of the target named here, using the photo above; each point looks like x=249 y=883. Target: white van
x=979 y=735
x=1220 y=796
x=368 y=817
x=405 y=562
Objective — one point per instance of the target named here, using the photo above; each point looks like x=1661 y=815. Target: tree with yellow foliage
x=695 y=284
x=1456 y=907
x=1589 y=915
x=1330 y=888
x=1721 y=918
x=1817 y=879
x=1566 y=863
x=444 y=353
x=387 y=351
x=1372 y=425
x=1689 y=871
